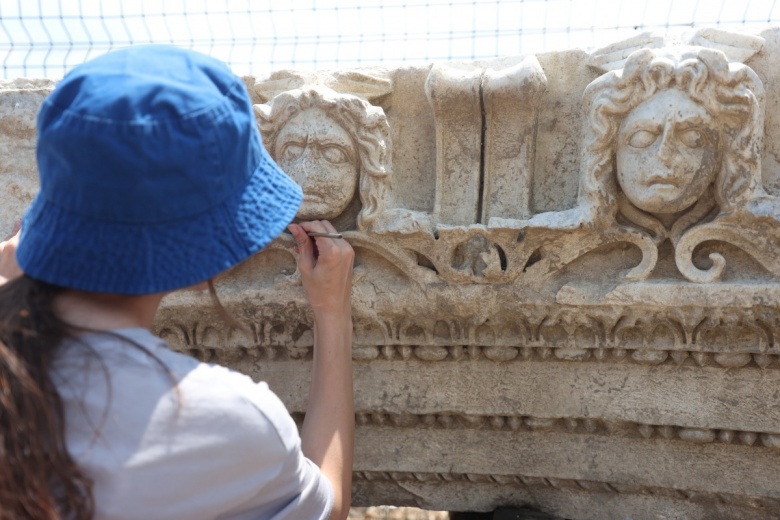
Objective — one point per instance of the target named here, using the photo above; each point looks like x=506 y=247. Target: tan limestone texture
x=567 y=286
x=395 y=513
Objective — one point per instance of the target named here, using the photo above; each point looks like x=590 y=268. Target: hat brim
x=63 y=246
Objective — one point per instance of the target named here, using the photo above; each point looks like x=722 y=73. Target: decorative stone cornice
x=502 y=354
x=569 y=425
x=725 y=337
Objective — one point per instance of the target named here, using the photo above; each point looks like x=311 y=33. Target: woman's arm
x=329 y=428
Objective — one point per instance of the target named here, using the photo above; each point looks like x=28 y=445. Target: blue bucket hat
x=153 y=176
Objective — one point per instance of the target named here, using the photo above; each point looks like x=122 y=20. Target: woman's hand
x=9 y=269
x=326 y=269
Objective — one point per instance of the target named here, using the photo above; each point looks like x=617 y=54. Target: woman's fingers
x=328 y=278
x=9 y=269
x=323 y=245
x=305 y=246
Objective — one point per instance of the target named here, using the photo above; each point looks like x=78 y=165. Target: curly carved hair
x=366 y=124
x=731 y=93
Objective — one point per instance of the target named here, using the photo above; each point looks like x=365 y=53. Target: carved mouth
x=663 y=182
x=312 y=199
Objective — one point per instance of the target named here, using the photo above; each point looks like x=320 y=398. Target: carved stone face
x=667 y=153
x=320 y=156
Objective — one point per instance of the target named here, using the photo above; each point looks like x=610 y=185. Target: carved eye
x=642 y=139
x=692 y=138
x=292 y=151
x=334 y=154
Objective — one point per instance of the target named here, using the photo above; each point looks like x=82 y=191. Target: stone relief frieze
x=671 y=165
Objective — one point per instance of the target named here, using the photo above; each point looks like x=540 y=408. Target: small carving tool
x=324 y=235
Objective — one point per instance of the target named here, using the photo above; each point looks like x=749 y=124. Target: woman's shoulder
x=142 y=376
x=247 y=402
x=226 y=438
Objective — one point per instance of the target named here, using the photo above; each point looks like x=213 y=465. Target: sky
x=45 y=38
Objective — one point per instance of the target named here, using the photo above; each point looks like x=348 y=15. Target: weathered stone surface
x=568 y=499
x=19 y=103
x=567 y=286
x=395 y=513
x=511 y=100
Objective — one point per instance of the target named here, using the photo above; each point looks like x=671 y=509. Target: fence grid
x=45 y=38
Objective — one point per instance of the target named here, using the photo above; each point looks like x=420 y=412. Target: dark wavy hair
x=38 y=478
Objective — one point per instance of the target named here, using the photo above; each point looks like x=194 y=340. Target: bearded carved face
x=321 y=156
x=668 y=153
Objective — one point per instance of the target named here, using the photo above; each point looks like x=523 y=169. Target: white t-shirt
x=184 y=441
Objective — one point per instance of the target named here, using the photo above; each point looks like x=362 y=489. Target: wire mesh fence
x=45 y=38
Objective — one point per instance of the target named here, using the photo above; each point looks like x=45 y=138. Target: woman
x=154 y=178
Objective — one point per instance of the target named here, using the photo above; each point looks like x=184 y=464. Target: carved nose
x=306 y=165
x=667 y=150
